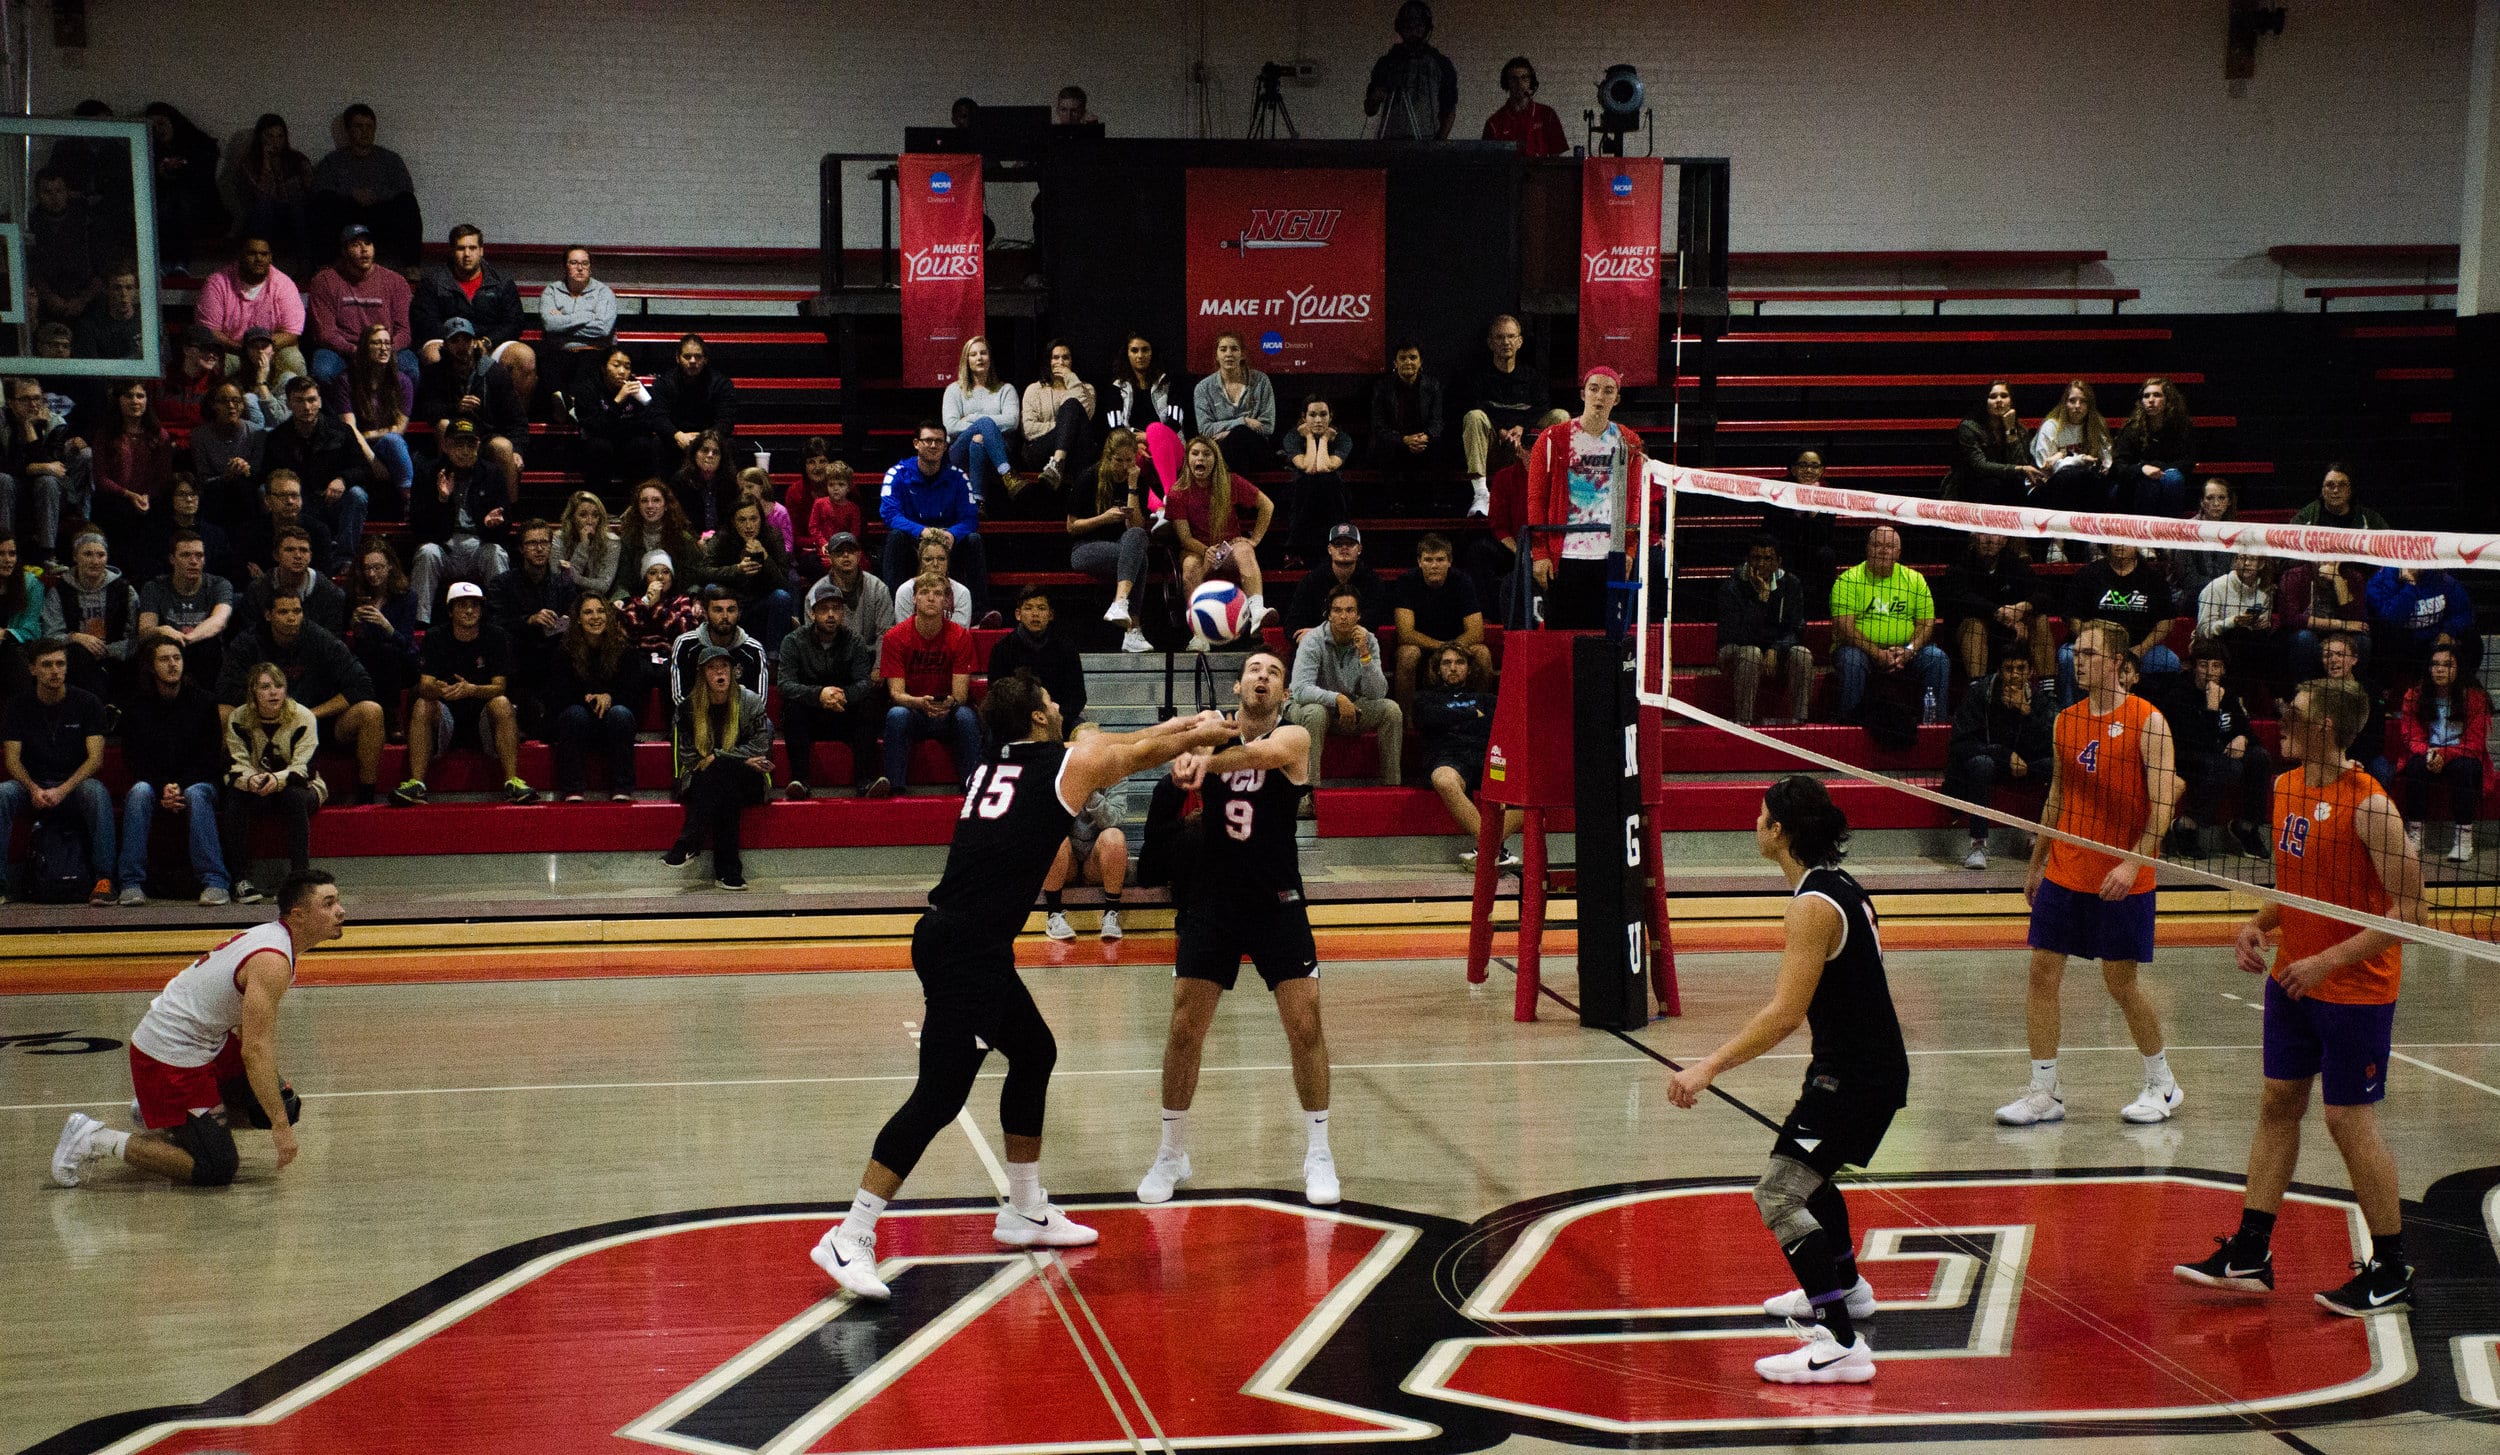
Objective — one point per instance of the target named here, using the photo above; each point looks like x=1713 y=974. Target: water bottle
x=1927 y=708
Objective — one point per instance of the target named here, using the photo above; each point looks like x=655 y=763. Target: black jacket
x=1309 y=606
x=256 y=542
x=1969 y=591
x=707 y=401
x=325 y=607
x=1984 y=724
x=1053 y=658
x=433 y=520
x=807 y=666
x=1387 y=415
x=500 y=410
x=329 y=454
x=318 y=667
x=1987 y=467
x=1746 y=620
x=2172 y=447
x=629 y=682
x=1455 y=722
x=436 y=300
x=512 y=598
x=2202 y=729
x=178 y=742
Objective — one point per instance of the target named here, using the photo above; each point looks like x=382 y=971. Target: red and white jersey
x=191 y=1017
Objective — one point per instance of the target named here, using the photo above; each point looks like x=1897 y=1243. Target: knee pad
x=240 y=1102
x=1781 y=1198
x=214 y=1159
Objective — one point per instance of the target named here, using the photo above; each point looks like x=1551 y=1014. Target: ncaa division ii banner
x=1293 y=259
x=942 y=275
x=1620 y=198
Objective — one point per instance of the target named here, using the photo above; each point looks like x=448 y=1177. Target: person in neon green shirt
x=1883 y=617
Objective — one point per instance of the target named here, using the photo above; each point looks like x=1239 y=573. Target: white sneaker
x=2032 y=1108
x=77 y=1136
x=2462 y=851
x=1793 y=1306
x=1171 y=1169
x=1510 y=860
x=214 y=894
x=1057 y=927
x=1051 y=1230
x=1319 y=1179
x=1977 y=858
x=2154 y=1104
x=1480 y=501
x=2413 y=836
x=1198 y=642
x=1118 y=611
x=1819 y=1359
x=1134 y=643
x=851 y=1262
x=131 y=896
x=1467 y=857
x=1111 y=924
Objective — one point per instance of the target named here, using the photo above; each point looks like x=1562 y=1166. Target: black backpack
x=1889 y=712
x=56 y=861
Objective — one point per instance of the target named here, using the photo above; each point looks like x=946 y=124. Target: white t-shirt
x=1596 y=486
x=188 y=1022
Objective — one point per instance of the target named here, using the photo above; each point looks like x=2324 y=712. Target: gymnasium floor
x=571 y=1215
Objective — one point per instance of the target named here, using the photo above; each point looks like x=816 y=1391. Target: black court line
x=1550 y=993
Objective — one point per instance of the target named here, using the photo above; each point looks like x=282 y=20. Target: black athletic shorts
x=1832 y=1126
x=1217 y=934
x=963 y=970
x=1470 y=768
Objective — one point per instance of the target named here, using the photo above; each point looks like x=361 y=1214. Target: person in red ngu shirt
x=927 y=662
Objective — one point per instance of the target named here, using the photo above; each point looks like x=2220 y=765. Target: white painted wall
x=1908 y=125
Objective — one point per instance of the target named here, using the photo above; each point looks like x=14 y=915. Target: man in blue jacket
x=924 y=493
x=2412 y=611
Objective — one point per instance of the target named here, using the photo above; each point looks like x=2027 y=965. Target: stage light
x=1621 y=106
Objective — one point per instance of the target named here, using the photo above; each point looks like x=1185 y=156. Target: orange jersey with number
x=2100 y=791
x=2318 y=854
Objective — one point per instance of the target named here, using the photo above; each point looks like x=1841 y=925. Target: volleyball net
x=1933 y=644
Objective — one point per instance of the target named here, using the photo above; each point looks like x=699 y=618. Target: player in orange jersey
x=2330 y=999
x=2111 y=782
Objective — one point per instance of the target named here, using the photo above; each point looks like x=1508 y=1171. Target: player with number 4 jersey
x=1246 y=901
x=1017 y=807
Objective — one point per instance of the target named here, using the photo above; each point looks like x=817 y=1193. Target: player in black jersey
x=1016 y=811
x=1246 y=900
x=1831 y=978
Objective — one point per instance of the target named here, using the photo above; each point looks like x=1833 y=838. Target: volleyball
x=1218 y=611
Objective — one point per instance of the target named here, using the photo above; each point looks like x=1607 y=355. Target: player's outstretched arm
x=1287 y=748
x=1098 y=760
x=265 y=980
x=1814 y=930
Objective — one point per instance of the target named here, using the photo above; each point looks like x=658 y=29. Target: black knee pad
x=214 y=1160
x=240 y=1102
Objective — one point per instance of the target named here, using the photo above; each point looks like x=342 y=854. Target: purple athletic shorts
x=2089 y=927
x=2344 y=1046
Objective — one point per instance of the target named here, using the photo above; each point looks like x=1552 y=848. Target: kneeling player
x=1246 y=900
x=2330 y=1003
x=1832 y=978
x=205 y=1056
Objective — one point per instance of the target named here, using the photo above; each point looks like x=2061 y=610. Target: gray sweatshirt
x=1218 y=415
x=570 y=322
x=1322 y=669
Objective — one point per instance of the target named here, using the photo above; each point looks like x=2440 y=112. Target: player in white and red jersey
x=206 y=1053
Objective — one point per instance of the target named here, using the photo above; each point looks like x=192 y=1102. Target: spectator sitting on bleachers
x=596 y=684
x=292 y=572
x=1521 y=119
x=67 y=396
x=1058 y=420
x=263 y=379
x=2002 y=733
x=2154 y=451
x=1034 y=643
x=1583 y=472
x=2073 y=451
x=199 y=367
x=364 y=185
x=2235 y=612
x=274 y=182
x=65 y=243
x=927 y=663
x=1218 y=519
x=820 y=503
x=620 y=424
x=134 y=459
x=1141 y=396
x=1436 y=607
x=934 y=556
x=870 y=600
x=351 y=295
x=457 y=517
x=467 y=287
x=110 y=327
x=724 y=766
x=332 y=468
x=181 y=513
x=1109 y=532
x=373 y=400
x=1318 y=456
x=923 y=493
x=322 y=674
x=2339 y=657
x=465 y=692
x=587 y=545
x=382 y=629
x=269 y=741
x=694 y=398
x=1406 y=418
x=281 y=509
x=827 y=673
x=1307 y=609
x=90 y=606
x=1096 y=852
x=577 y=320
x=1455 y=720
x=1762 y=622
x=251 y=293
x=193 y=606
x=189 y=211
x=660 y=613
x=719 y=628
x=1236 y=408
x=1991 y=460
x=2416 y=611
x=2335 y=508
x=1503 y=404
x=1413 y=88
x=21 y=616
x=2318 y=599
x=658 y=523
x=2446 y=729
x=745 y=560
x=227 y=449
x=756 y=485
x=464 y=383
x=2219 y=760
x=53 y=738
x=43 y=467
x=1990 y=599
x=1340 y=690
x=169 y=737
x=2121 y=588
x=2192 y=570
x=531 y=603
x=979 y=411
x=1884 y=621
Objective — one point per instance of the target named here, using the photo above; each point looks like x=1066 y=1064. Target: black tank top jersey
x=1247 y=849
x=1011 y=828
x=1857 y=1036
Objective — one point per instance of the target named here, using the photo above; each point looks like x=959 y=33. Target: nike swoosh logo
x=1037 y=1222
x=2378 y=1300
x=1813 y=1363
x=2230 y=1272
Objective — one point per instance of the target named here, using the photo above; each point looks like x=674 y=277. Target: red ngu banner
x=1295 y=260
x=942 y=270
x=1620 y=200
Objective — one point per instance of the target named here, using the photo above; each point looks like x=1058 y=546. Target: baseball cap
x=461 y=429
x=840 y=541
x=466 y=591
x=711 y=652
x=258 y=335
x=824 y=589
x=459 y=328
x=197 y=336
x=353 y=231
x=1345 y=534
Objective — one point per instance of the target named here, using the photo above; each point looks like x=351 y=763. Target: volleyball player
x=1017 y=806
x=1832 y=978
x=2330 y=1006
x=205 y=1055
x=2110 y=782
x=1246 y=901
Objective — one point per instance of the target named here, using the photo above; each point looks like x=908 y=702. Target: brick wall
x=1908 y=125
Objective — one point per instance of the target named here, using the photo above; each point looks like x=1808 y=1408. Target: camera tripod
x=1268 y=111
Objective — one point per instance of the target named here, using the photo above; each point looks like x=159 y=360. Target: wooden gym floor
x=571 y=1213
